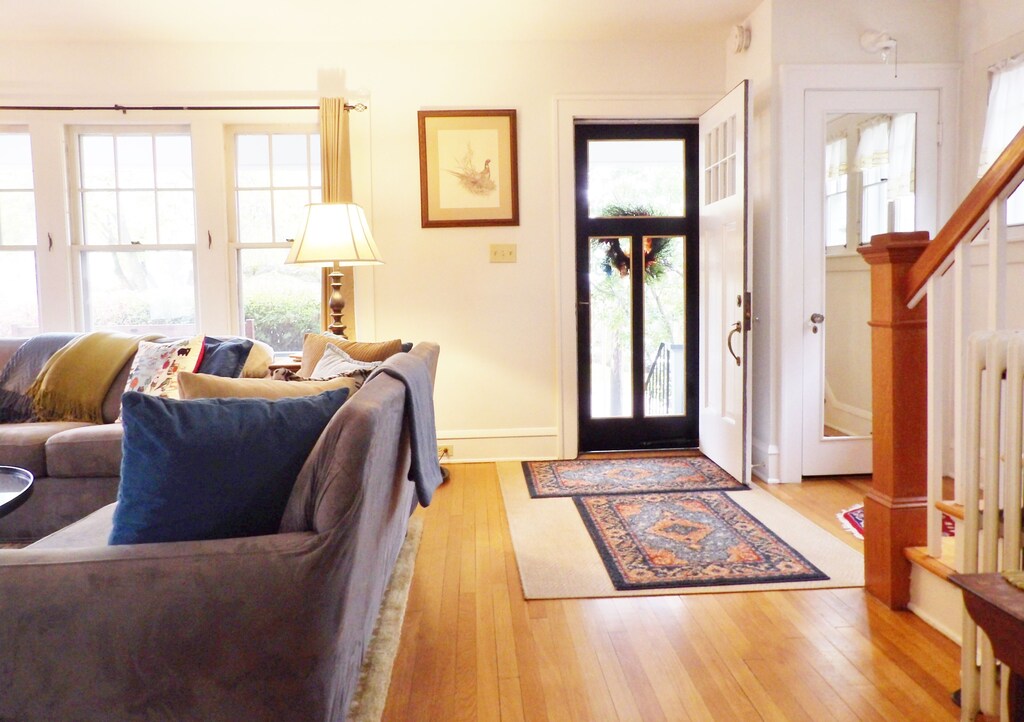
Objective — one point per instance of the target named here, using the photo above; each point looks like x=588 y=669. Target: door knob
x=816 y=318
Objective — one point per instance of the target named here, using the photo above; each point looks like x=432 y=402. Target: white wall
x=805 y=32
x=497 y=395
x=756 y=65
x=828 y=31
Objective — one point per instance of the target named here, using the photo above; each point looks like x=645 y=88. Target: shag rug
x=583 y=477
x=852 y=520
x=375 y=678
x=685 y=539
x=557 y=558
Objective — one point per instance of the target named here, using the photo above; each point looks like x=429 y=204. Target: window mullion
x=216 y=309
x=57 y=308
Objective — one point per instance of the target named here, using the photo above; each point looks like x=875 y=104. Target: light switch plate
x=503 y=253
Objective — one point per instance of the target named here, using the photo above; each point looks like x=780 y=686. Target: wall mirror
x=869 y=188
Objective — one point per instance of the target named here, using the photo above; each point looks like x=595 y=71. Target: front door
x=636 y=266
x=724 y=303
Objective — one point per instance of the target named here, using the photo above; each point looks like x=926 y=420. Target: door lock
x=816 y=318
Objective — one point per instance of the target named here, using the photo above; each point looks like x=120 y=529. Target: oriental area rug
x=580 y=477
x=642 y=544
x=852 y=520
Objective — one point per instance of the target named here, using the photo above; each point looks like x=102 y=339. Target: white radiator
x=991 y=444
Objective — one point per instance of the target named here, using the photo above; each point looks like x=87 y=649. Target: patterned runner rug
x=852 y=520
x=558 y=559
x=583 y=477
x=687 y=539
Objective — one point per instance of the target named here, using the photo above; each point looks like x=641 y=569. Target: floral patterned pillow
x=156 y=366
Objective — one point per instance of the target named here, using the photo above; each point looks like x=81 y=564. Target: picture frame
x=469 y=173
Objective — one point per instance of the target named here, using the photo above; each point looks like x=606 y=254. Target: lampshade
x=335 y=233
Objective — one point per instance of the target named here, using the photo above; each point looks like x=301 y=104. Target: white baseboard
x=765 y=461
x=484 y=445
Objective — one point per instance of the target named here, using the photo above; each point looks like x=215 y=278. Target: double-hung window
x=135 y=228
x=276 y=174
x=19 y=299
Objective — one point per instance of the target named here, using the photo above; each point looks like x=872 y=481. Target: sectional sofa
x=270 y=627
x=76 y=465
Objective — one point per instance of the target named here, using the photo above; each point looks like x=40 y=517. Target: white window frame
x=21 y=129
x=235 y=245
x=74 y=190
x=217 y=313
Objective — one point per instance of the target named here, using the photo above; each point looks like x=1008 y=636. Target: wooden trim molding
x=896 y=507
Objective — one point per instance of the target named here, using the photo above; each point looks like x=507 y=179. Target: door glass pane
x=611 y=393
x=140 y=291
x=279 y=302
x=664 y=326
x=19 y=308
x=629 y=178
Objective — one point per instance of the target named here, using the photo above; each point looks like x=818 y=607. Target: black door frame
x=637 y=431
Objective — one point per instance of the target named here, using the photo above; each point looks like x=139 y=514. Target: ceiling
x=372 y=20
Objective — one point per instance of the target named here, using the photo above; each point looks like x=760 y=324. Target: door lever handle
x=728 y=341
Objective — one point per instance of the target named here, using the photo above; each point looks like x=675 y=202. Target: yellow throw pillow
x=206 y=386
x=313 y=345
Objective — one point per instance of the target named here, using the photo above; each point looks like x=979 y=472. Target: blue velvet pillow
x=224 y=357
x=212 y=468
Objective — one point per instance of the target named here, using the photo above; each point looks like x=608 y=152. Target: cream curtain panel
x=336 y=179
x=873 y=146
x=1004 y=119
x=835 y=166
x=901 y=156
x=335 y=151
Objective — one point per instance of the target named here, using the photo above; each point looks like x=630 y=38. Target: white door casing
x=724 y=303
x=839 y=455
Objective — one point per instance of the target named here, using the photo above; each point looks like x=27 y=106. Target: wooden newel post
x=895 y=510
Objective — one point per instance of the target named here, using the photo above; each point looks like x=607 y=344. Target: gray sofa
x=259 y=628
x=77 y=466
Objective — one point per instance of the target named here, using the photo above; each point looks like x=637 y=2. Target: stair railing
x=906 y=269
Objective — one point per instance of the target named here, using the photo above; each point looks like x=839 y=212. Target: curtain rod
x=358 y=107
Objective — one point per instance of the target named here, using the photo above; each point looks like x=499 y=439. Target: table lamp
x=335 y=234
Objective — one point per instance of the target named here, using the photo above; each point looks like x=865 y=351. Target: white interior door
x=836 y=294
x=724 y=303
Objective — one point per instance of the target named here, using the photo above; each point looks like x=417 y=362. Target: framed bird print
x=468 y=168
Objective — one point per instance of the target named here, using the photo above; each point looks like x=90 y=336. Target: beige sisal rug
x=370 y=697
x=557 y=558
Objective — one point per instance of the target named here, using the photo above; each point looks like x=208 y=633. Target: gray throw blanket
x=21 y=370
x=424 y=469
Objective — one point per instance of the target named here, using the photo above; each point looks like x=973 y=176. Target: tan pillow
x=257 y=363
x=313 y=345
x=207 y=386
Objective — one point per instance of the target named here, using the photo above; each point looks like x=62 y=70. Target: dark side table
x=997 y=607
x=15 y=488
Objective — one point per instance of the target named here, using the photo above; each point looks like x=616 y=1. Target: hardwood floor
x=473 y=649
